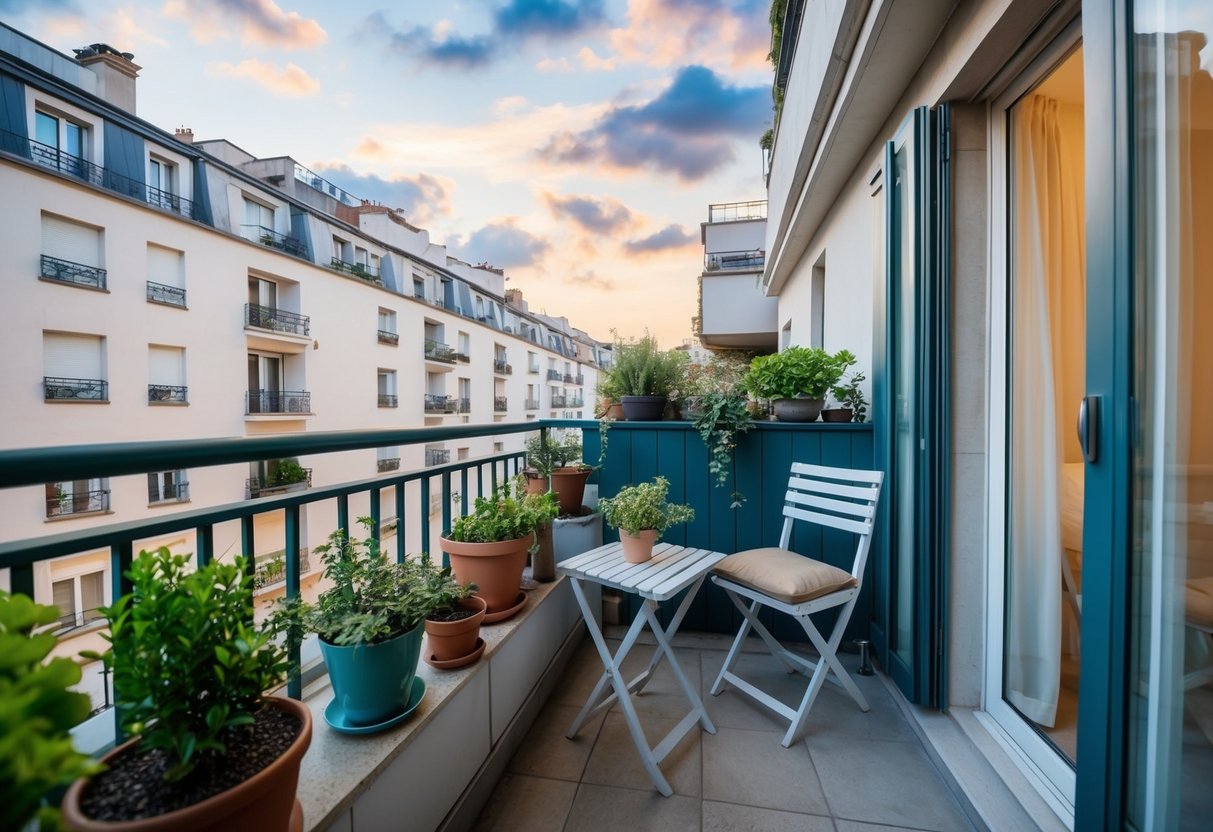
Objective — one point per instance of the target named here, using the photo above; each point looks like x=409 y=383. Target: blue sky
x=577 y=143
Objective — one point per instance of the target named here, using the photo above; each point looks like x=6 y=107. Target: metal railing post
x=294 y=684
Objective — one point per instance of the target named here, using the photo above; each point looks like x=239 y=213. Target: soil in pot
x=453 y=633
x=643 y=408
x=133 y=787
x=837 y=414
x=569 y=485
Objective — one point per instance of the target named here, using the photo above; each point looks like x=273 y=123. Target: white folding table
x=671 y=570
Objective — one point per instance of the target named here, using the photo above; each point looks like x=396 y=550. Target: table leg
x=638 y=684
x=649 y=610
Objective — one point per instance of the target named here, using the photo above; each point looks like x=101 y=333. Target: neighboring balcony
x=579 y=379
x=358 y=270
x=725 y=260
x=58 y=389
x=74 y=274
x=276 y=330
x=501 y=368
x=569 y=378
x=165 y=294
x=532 y=404
x=463 y=357
x=387 y=400
x=278 y=402
x=389 y=464
x=560 y=401
x=755 y=209
x=500 y=404
x=272 y=239
x=435 y=403
x=734 y=312
x=465 y=405
x=167 y=394
x=177 y=492
x=437 y=457
x=261 y=487
x=576 y=401
x=388 y=337
x=439 y=353
x=83 y=502
x=554 y=375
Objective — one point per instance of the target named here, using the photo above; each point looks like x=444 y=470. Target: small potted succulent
x=190 y=671
x=452 y=626
x=642 y=515
x=643 y=375
x=851 y=402
x=37 y=710
x=370 y=623
x=797 y=380
x=488 y=546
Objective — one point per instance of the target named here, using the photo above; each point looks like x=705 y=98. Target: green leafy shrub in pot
x=642 y=514
x=504 y=516
x=37 y=709
x=807 y=372
x=850 y=396
x=288 y=472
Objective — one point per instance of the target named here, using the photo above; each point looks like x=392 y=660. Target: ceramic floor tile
x=609 y=809
x=662 y=696
x=532 y=803
x=857 y=826
x=546 y=752
x=580 y=675
x=878 y=781
x=616 y=762
x=728 y=817
x=753 y=769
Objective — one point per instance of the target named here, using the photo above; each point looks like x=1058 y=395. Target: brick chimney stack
x=116 y=73
x=185 y=135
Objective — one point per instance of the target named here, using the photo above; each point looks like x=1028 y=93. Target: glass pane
x=905 y=403
x=1047 y=373
x=74 y=139
x=1170 y=685
x=46 y=130
x=63 y=596
x=92 y=595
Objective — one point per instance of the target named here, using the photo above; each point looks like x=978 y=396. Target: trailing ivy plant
x=508 y=514
x=724 y=418
x=188 y=664
x=37 y=709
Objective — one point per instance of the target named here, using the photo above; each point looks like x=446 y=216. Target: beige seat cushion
x=1200 y=602
x=784 y=575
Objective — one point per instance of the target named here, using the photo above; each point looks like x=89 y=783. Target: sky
x=575 y=143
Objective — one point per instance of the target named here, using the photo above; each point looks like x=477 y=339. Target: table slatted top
x=671 y=569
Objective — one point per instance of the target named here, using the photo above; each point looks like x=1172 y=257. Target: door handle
x=1088 y=427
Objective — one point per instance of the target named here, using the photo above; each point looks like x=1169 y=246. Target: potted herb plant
x=644 y=375
x=37 y=709
x=190 y=670
x=489 y=545
x=369 y=621
x=642 y=515
x=452 y=626
x=851 y=401
x=570 y=475
x=797 y=380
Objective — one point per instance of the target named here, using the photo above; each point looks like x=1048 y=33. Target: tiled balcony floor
x=854 y=771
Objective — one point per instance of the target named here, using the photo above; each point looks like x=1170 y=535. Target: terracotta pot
x=798 y=410
x=837 y=414
x=569 y=485
x=496 y=568
x=615 y=411
x=449 y=640
x=543 y=562
x=643 y=408
x=638 y=548
x=536 y=484
x=263 y=803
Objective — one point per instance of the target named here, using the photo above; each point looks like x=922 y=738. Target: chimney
x=116 y=73
x=185 y=135
x=513 y=297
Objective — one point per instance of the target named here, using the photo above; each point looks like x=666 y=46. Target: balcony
x=437 y=351
x=559 y=401
x=80 y=502
x=501 y=368
x=272 y=239
x=500 y=404
x=434 y=456
x=359 y=270
x=555 y=375
x=725 y=260
x=737 y=211
x=389 y=337
x=437 y=403
x=272 y=319
x=173 y=492
x=265 y=486
x=74 y=166
x=391 y=463
x=576 y=401
x=278 y=402
x=58 y=389
x=167 y=394
x=387 y=400
x=463 y=357
x=531 y=404
x=165 y=294
x=579 y=379
x=569 y=378
x=735 y=313
x=465 y=405
x=75 y=274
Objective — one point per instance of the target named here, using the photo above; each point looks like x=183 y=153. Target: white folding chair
x=838 y=498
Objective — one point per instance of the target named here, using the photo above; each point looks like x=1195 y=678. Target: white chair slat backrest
x=854 y=512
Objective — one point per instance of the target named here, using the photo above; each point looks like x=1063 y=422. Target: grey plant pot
x=573 y=536
x=798 y=410
x=643 y=408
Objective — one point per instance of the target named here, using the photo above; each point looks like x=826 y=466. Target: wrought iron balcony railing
x=532 y=404
x=360 y=270
x=554 y=375
x=500 y=404
x=388 y=464
x=501 y=367
x=437 y=351
x=434 y=456
x=163 y=293
x=65 y=271
x=464 y=357
x=172 y=492
x=56 y=388
x=260 y=486
x=271 y=238
x=278 y=401
x=168 y=394
x=55 y=159
x=465 y=405
x=386 y=336
x=272 y=571
x=387 y=400
x=576 y=401
x=79 y=502
x=568 y=378
x=559 y=401
x=435 y=403
x=726 y=260
x=276 y=320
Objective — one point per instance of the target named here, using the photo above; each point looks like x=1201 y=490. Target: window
x=498 y=447
x=258 y=221
x=162 y=185
x=818 y=305
x=461 y=453
x=79 y=598
x=374 y=264
x=73 y=367
x=165 y=276
x=263 y=292
x=388 y=334
x=465 y=344
x=341 y=250
x=166 y=375
x=167 y=487
x=360 y=256
x=387 y=388
x=532 y=362
x=61 y=143
x=71 y=253
x=479 y=308
x=418 y=288
x=388 y=458
x=71 y=497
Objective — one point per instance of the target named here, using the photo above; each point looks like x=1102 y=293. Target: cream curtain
x=1048 y=344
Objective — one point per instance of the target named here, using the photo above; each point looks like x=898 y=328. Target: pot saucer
x=502 y=615
x=334 y=714
x=451 y=664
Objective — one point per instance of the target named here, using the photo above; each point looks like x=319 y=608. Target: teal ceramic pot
x=373 y=681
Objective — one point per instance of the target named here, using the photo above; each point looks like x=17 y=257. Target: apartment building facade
x=158 y=287
x=734 y=311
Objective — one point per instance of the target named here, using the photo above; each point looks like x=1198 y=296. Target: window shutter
x=71 y=241
x=166 y=365
x=166 y=266
x=72 y=356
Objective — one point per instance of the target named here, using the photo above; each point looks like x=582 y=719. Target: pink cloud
x=261 y=22
x=291 y=80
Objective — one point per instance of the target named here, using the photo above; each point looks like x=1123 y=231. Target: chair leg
x=718 y=685
x=829 y=652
